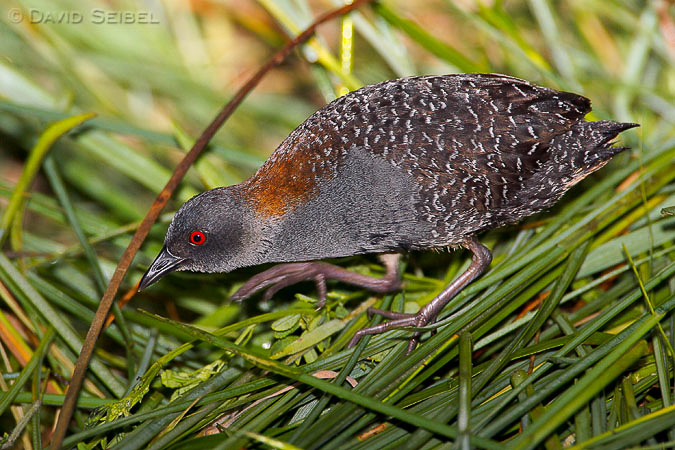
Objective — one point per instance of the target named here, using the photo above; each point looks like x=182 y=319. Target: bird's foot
x=427 y=315
x=284 y=275
x=399 y=320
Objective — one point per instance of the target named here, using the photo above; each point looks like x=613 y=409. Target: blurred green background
x=156 y=72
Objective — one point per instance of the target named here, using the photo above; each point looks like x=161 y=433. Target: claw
x=320 y=281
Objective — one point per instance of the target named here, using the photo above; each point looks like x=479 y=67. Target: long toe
x=388 y=314
x=283 y=275
x=271 y=278
x=407 y=321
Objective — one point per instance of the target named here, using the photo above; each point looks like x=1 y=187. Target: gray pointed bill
x=163 y=264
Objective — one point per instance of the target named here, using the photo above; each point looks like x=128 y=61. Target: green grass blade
x=9 y=396
x=338 y=391
x=9 y=274
x=37 y=154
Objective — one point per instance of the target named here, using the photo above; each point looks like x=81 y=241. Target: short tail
x=585 y=148
x=596 y=142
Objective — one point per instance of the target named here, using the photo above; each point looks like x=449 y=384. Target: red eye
x=197 y=238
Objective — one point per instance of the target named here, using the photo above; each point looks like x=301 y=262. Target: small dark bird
x=410 y=164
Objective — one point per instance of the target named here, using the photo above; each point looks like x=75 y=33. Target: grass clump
x=566 y=341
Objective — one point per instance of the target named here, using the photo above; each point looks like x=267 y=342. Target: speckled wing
x=478 y=145
x=473 y=142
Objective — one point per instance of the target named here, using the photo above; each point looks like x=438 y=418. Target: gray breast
x=368 y=206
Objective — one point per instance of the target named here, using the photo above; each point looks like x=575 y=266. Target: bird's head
x=207 y=234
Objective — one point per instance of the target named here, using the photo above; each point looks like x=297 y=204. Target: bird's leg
x=427 y=315
x=283 y=275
